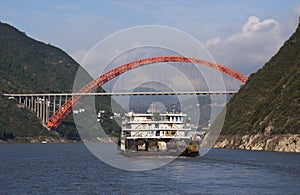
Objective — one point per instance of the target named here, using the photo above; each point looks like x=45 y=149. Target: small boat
x=44 y=142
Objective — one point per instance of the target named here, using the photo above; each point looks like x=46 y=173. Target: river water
x=72 y=169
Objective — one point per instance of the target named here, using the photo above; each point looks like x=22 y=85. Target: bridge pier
x=40 y=108
x=36 y=104
x=47 y=110
x=54 y=104
x=32 y=104
x=43 y=108
x=37 y=108
x=60 y=101
x=40 y=104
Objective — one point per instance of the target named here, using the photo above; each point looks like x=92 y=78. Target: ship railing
x=159 y=137
x=157 y=129
x=155 y=122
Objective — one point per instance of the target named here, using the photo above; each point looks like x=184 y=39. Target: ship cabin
x=155 y=132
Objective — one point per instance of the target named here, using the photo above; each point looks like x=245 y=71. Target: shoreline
x=260 y=142
x=40 y=139
x=289 y=143
x=35 y=140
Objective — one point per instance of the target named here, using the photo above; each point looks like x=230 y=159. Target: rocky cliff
x=278 y=143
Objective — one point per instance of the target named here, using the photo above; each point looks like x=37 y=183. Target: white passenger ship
x=158 y=134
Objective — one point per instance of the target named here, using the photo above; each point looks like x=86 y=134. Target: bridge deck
x=125 y=93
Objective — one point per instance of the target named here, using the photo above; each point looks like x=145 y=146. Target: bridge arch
x=63 y=112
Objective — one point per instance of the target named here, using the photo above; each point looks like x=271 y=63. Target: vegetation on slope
x=270 y=100
x=11 y=117
x=30 y=66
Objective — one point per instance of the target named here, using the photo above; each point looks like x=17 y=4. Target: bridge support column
x=60 y=101
x=47 y=109
x=54 y=104
x=37 y=107
x=29 y=102
x=32 y=104
x=66 y=99
x=43 y=109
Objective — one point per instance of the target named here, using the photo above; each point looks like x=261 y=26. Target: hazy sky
x=241 y=34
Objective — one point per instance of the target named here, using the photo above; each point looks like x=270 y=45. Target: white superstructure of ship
x=158 y=134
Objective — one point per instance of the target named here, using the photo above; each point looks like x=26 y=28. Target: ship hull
x=159 y=154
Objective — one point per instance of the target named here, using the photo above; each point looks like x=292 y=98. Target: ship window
x=128 y=126
x=157 y=133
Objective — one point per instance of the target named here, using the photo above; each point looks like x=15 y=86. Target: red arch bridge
x=39 y=103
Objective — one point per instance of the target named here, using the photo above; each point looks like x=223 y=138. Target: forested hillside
x=265 y=113
x=30 y=66
x=270 y=100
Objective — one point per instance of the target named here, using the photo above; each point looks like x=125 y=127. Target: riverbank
x=277 y=143
x=41 y=139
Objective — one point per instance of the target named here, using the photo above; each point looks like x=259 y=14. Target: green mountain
x=269 y=103
x=30 y=66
